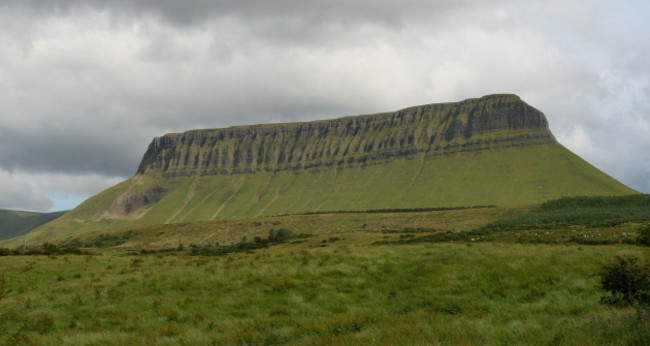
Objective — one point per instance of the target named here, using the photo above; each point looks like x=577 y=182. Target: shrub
x=8 y=252
x=50 y=249
x=279 y=235
x=644 y=236
x=627 y=279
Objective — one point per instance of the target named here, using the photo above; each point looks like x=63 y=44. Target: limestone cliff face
x=437 y=129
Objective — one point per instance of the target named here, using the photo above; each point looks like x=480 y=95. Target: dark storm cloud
x=195 y=12
x=79 y=152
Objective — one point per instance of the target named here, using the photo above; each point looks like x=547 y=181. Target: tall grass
x=343 y=293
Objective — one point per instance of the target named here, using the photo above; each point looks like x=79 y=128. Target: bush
x=50 y=249
x=627 y=279
x=8 y=252
x=644 y=236
x=279 y=235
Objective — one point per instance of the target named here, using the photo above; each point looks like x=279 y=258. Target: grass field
x=418 y=277
x=320 y=290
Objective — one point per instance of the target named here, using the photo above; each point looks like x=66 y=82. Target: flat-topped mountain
x=494 y=150
x=494 y=121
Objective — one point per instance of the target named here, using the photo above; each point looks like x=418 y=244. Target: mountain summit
x=493 y=150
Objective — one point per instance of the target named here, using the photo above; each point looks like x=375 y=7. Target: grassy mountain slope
x=495 y=150
x=16 y=223
x=512 y=176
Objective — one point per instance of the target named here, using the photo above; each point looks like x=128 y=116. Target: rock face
x=437 y=129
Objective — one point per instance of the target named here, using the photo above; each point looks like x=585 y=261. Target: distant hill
x=16 y=223
x=493 y=150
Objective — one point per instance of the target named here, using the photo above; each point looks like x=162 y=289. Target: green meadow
x=417 y=277
x=322 y=291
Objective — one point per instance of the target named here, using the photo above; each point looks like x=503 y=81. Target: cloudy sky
x=85 y=85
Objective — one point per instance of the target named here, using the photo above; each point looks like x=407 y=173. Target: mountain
x=16 y=223
x=493 y=150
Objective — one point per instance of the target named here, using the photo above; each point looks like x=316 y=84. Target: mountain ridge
x=494 y=150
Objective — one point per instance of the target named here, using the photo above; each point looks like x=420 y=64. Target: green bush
x=279 y=235
x=50 y=249
x=8 y=252
x=627 y=279
x=644 y=236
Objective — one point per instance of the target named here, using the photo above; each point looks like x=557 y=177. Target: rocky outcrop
x=437 y=129
x=131 y=201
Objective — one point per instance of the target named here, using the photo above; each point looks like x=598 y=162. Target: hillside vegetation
x=584 y=211
x=234 y=231
x=581 y=220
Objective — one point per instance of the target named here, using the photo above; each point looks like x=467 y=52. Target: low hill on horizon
x=14 y=223
x=494 y=150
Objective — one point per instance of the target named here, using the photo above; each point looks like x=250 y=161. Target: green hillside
x=496 y=150
x=16 y=223
x=512 y=176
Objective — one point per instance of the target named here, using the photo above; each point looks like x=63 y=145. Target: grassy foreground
x=320 y=290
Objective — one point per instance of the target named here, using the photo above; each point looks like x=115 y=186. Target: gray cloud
x=193 y=12
x=85 y=85
x=20 y=193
